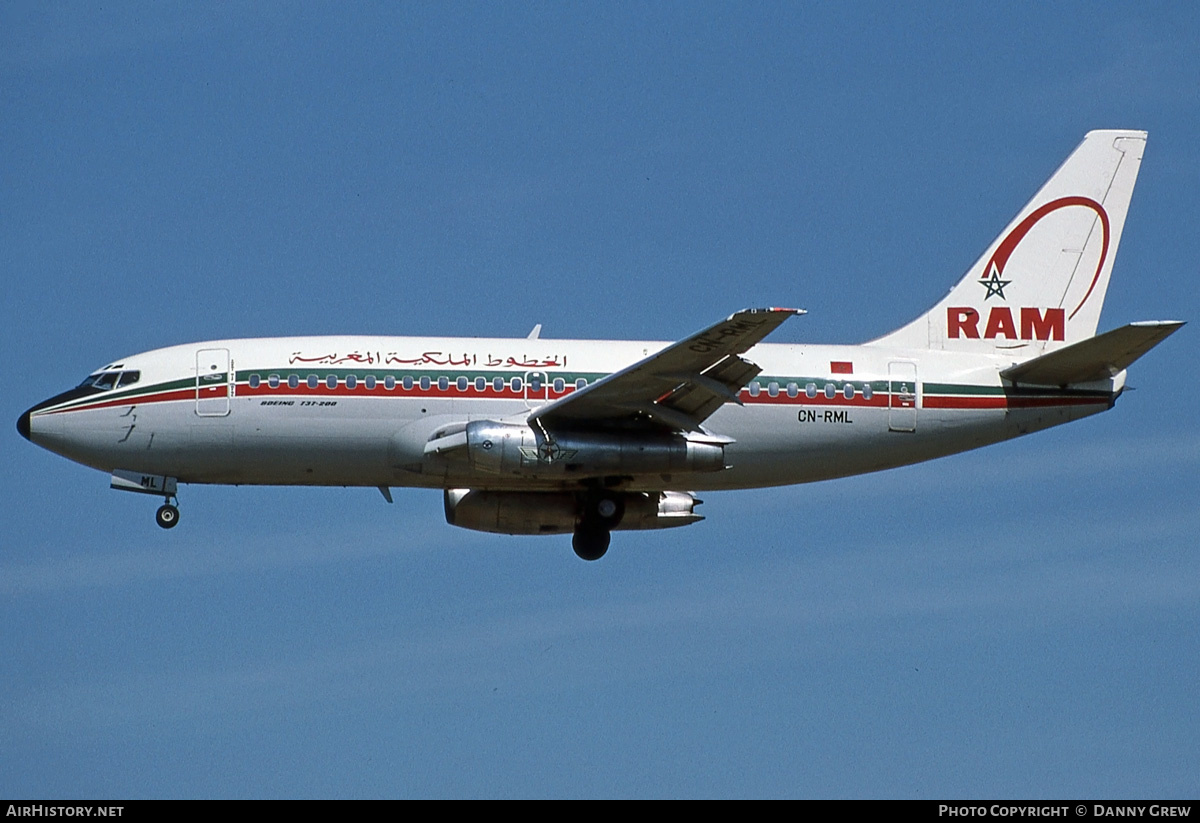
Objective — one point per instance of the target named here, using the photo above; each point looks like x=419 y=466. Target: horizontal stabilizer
x=1097 y=358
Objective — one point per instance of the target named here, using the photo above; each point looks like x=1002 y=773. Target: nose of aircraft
x=25 y=422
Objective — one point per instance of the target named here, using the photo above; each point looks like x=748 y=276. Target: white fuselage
x=359 y=411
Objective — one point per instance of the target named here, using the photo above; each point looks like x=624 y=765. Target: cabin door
x=902 y=396
x=213 y=382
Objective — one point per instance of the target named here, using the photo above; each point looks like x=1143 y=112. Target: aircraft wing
x=677 y=388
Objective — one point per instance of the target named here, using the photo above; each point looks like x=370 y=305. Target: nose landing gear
x=162 y=486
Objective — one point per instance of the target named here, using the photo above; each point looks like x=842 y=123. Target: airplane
x=585 y=437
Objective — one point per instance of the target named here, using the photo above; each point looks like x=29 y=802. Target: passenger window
x=498 y=383
x=754 y=388
x=559 y=385
x=293 y=381
x=461 y=384
x=273 y=381
x=254 y=381
x=480 y=384
x=389 y=382
x=580 y=383
x=517 y=384
x=443 y=383
x=425 y=383
x=830 y=391
x=793 y=390
x=867 y=391
x=407 y=383
x=535 y=383
x=810 y=390
x=369 y=382
x=351 y=381
x=773 y=389
x=331 y=382
x=313 y=381
x=848 y=391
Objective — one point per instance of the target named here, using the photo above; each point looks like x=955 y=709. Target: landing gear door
x=902 y=396
x=213 y=382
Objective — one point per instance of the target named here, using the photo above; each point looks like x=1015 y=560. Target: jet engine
x=516 y=449
x=562 y=512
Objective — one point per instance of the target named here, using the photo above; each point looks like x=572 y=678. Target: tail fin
x=1041 y=284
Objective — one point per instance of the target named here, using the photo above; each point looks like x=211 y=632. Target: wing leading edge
x=676 y=388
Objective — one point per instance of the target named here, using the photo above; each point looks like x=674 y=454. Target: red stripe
x=994 y=402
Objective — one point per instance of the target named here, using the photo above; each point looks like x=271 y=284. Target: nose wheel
x=167 y=515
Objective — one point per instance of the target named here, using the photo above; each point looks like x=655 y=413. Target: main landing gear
x=599 y=513
x=167 y=515
x=590 y=544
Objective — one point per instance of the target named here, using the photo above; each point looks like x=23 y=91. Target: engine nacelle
x=515 y=449
x=560 y=512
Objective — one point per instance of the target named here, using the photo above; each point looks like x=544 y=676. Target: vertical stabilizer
x=1041 y=284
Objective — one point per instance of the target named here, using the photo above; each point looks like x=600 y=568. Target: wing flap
x=1097 y=358
x=704 y=393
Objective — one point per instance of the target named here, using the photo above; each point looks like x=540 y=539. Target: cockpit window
x=103 y=381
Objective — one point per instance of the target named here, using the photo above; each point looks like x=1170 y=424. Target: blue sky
x=1021 y=621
